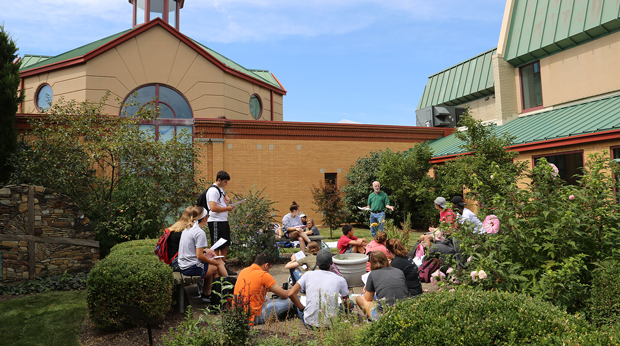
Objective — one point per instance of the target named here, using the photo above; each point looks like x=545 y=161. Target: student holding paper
x=195 y=258
x=299 y=260
x=218 y=217
x=293 y=228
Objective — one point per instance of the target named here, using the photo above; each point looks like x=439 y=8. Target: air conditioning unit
x=439 y=116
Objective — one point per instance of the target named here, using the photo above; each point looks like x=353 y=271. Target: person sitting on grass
x=293 y=229
x=400 y=261
x=254 y=282
x=295 y=266
x=322 y=289
x=349 y=243
x=384 y=286
x=195 y=258
x=377 y=244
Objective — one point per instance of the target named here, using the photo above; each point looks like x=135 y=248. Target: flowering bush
x=251 y=226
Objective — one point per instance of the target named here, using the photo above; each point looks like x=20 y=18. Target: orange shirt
x=254 y=282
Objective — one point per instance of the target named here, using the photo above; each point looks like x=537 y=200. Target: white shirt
x=213 y=195
x=469 y=216
x=322 y=290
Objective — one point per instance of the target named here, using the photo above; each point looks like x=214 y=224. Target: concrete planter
x=352 y=266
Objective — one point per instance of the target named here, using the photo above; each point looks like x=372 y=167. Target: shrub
x=468 y=317
x=604 y=302
x=131 y=276
x=64 y=282
x=251 y=226
x=329 y=203
x=146 y=243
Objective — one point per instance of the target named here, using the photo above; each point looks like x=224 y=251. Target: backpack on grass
x=161 y=249
x=428 y=268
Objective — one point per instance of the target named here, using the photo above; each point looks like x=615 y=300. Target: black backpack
x=202 y=198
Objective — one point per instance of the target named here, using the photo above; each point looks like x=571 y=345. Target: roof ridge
x=462 y=62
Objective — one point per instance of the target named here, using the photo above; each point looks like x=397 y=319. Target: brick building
x=236 y=114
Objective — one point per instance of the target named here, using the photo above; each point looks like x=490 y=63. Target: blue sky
x=362 y=60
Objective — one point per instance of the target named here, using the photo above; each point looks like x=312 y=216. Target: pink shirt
x=374 y=246
x=447 y=215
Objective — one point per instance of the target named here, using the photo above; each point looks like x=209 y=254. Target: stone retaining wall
x=42 y=233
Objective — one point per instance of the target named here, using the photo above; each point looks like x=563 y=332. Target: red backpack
x=428 y=268
x=161 y=249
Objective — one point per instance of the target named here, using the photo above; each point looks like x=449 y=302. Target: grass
x=43 y=319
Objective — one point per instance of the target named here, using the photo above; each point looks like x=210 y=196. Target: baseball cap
x=324 y=258
x=440 y=201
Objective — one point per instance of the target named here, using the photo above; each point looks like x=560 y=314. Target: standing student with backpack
x=215 y=200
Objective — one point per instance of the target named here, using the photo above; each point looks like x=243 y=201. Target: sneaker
x=231 y=272
x=205 y=298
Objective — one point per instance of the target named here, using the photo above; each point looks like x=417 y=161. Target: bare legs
x=302 y=237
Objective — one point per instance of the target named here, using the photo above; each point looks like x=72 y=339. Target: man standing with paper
x=217 y=203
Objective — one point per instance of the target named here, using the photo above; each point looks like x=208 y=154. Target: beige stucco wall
x=286 y=168
x=584 y=71
x=156 y=56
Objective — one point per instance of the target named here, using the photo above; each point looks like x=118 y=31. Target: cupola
x=146 y=10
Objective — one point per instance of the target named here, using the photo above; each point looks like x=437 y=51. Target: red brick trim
x=281 y=130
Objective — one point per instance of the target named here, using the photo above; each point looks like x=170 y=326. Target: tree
x=360 y=178
x=405 y=175
x=329 y=204
x=9 y=100
x=127 y=183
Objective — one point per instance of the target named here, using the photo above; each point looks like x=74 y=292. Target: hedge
x=604 y=303
x=468 y=317
x=130 y=274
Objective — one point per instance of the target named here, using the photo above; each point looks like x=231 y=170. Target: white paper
x=418 y=260
x=237 y=203
x=363 y=208
x=218 y=243
x=218 y=257
x=302 y=300
x=365 y=278
x=299 y=255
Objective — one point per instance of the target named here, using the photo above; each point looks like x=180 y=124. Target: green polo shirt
x=378 y=201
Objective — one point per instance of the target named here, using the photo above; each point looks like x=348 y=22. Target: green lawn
x=43 y=319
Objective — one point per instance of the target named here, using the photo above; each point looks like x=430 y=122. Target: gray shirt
x=289 y=220
x=322 y=290
x=387 y=283
x=191 y=239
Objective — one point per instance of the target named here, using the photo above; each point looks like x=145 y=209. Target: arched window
x=176 y=114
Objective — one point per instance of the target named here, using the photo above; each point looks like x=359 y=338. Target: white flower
x=482 y=274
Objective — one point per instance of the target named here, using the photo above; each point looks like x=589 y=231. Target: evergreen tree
x=10 y=98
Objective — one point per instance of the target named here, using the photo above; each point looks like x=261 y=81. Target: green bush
x=604 y=303
x=133 y=276
x=251 y=226
x=468 y=317
x=143 y=243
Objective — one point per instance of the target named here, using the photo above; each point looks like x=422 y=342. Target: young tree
x=126 y=182
x=330 y=204
x=10 y=98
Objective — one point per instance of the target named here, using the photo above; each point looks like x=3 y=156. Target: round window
x=256 y=109
x=44 y=97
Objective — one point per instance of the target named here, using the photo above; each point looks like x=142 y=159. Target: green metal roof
x=588 y=117
x=463 y=82
x=261 y=75
x=539 y=28
x=74 y=53
x=28 y=60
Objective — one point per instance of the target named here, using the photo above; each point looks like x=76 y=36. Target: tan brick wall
x=483 y=109
x=506 y=79
x=287 y=168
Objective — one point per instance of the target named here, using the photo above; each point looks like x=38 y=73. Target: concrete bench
x=180 y=281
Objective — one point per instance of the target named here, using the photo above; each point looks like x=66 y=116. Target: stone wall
x=43 y=233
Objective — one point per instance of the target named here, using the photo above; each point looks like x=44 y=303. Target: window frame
x=531 y=109
x=260 y=101
x=163 y=121
x=36 y=97
x=147 y=13
x=580 y=151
